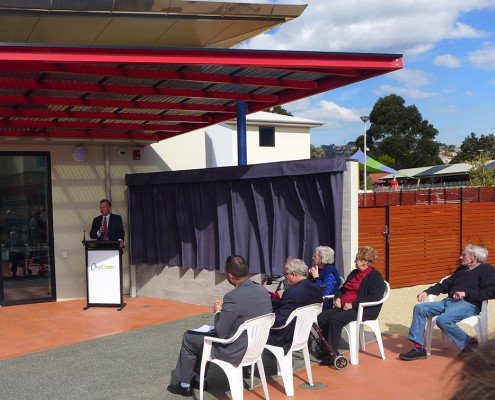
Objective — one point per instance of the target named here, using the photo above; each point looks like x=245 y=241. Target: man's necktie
x=105 y=236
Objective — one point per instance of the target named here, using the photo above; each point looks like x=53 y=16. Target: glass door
x=27 y=273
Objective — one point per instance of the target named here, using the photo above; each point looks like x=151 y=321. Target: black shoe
x=195 y=385
x=178 y=389
x=414 y=354
x=471 y=344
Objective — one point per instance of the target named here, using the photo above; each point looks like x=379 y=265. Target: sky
x=448 y=49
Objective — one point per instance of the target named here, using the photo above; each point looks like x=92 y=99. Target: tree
x=385 y=159
x=401 y=133
x=370 y=184
x=480 y=174
x=280 y=110
x=472 y=147
x=317 y=152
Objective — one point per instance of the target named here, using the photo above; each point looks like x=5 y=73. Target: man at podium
x=107 y=226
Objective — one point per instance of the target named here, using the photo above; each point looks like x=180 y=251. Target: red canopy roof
x=146 y=95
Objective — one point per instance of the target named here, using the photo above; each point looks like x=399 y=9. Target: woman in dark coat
x=363 y=284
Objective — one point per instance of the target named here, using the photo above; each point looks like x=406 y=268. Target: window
x=267 y=136
x=27 y=272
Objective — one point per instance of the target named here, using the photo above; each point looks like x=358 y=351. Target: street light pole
x=364 y=118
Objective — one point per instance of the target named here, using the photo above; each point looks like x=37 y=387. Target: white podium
x=104 y=274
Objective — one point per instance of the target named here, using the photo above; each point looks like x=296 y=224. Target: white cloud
x=447 y=60
x=323 y=110
x=412 y=81
x=483 y=58
x=407 y=26
x=449 y=109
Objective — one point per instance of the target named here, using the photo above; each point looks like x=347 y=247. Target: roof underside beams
x=146 y=95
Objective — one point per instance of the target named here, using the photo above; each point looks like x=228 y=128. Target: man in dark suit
x=247 y=300
x=302 y=292
x=107 y=226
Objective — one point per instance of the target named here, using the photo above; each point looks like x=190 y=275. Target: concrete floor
x=28 y=329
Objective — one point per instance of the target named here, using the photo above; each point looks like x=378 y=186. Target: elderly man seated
x=302 y=292
x=467 y=287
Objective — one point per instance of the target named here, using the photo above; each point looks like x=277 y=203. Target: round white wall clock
x=80 y=153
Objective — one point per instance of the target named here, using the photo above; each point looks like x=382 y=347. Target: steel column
x=241 y=133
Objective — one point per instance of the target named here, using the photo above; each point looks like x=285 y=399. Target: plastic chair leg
x=307 y=363
x=378 y=334
x=362 y=341
x=236 y=384
x=352 y=333
x=428 y=335
x=287 y=373
x=261 y=371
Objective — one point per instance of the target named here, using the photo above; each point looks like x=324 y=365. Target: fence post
x=460 y=218
x=387 y=243
x=429 y=197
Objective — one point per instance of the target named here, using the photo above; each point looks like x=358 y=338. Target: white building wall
x=180 y=152
x=220 y=146
x=291 y=143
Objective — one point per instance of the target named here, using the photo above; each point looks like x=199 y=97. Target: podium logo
x=102 y=267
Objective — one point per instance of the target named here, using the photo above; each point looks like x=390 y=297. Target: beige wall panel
x=16 y=28
x=192 y=33
x=133 y=32
x=75 y=30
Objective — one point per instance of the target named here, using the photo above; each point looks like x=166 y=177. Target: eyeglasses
x=286 y=273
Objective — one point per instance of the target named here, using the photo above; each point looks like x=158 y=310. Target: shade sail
x=148 y=94
x=376 y=165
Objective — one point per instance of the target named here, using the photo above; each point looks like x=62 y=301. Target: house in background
x=270 y=137
x=437 y=175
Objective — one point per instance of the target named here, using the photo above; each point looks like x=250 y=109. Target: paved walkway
x=59 y=351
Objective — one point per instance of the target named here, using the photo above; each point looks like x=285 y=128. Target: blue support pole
x=241 y=133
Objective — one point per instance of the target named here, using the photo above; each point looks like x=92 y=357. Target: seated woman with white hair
x=324 y=272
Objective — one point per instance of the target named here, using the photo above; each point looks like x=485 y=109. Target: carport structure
x=145 y=95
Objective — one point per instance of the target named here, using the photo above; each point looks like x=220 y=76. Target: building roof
x=461 y=169
x=151 y=23
x=263 y=117
x=149 y=94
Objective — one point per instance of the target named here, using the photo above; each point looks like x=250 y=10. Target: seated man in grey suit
x=247 y=300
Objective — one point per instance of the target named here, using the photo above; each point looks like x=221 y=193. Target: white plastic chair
x=478 y=322
x=257 y=330
x=305 y=316
x=355 y=329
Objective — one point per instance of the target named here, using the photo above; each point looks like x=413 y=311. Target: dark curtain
x=264 y=212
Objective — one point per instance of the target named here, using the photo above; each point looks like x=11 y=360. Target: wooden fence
x=422 y=244
x=428 y=196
